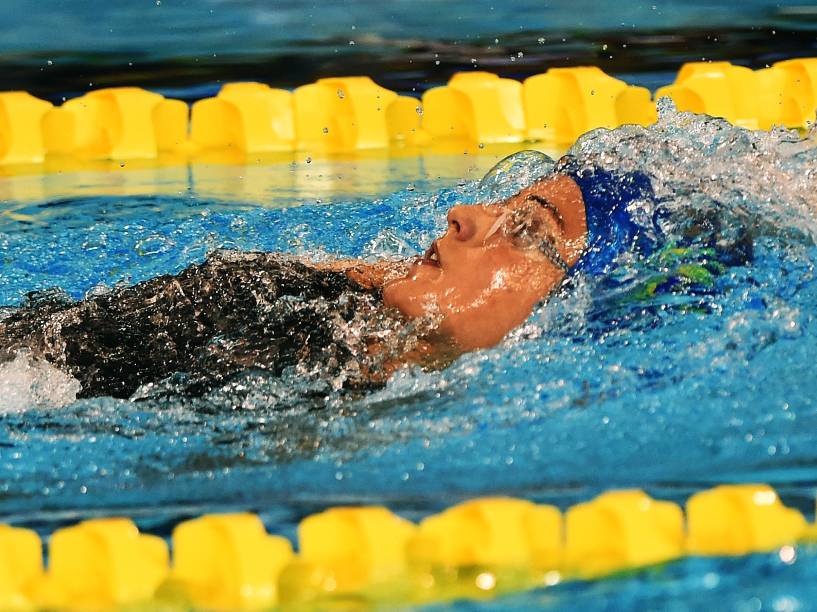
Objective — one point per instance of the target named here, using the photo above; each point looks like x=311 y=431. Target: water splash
x=763 y=179
x=27 y=383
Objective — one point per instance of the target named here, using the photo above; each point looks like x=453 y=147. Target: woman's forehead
x=538 y=201
x=542 y=188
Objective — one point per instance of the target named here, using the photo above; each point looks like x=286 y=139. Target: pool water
x=608 y=385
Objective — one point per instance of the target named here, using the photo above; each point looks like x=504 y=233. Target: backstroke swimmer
x=239 y=312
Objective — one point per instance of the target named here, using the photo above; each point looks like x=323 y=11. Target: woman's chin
x=395 y=295
x=408 y=295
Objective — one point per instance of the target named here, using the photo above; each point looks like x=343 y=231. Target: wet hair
x=231 y=313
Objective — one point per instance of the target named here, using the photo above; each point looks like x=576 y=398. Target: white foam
x=26 y=383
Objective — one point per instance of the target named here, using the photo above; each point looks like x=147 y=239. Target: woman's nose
x=463 y=222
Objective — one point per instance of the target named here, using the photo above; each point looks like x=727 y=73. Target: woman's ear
x=564 y=194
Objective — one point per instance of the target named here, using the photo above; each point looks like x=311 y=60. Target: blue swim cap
x=609 y=199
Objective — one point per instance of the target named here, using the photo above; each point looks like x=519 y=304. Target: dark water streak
x=646 y=57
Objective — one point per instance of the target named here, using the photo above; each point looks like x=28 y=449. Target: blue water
x=601 y=388
x=761 y=582
x=165 y=29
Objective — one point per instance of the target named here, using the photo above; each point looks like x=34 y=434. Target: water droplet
x=711 y=580
x=308 y=160
x=409 y=187
x=326 y=130
x=788 y=555
x=351 y=43
x=541 y=40
x=158 y=2
x=485 y=581
x=155 y=244
x=520 y=54
x=50 y=63
x=419 y=110
x=341 y=95
x=482 y=145
x=437 y=62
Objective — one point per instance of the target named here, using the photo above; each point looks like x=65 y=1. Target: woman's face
x=484 y=276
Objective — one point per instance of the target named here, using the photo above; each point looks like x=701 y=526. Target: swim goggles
x=523 y=226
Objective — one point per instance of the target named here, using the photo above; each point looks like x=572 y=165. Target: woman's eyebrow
x=548 y=206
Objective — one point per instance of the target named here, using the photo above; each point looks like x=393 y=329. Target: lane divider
x=345 y=114
x=480 y=548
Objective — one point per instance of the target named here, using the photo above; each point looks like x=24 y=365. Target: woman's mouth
x=431 y=256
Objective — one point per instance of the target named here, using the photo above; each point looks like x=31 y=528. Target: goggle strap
x=548 y=250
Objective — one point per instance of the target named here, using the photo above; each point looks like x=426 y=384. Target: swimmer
x=346 y=320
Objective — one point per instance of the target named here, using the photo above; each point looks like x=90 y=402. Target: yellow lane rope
x=369 y=555
x=349 y=114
